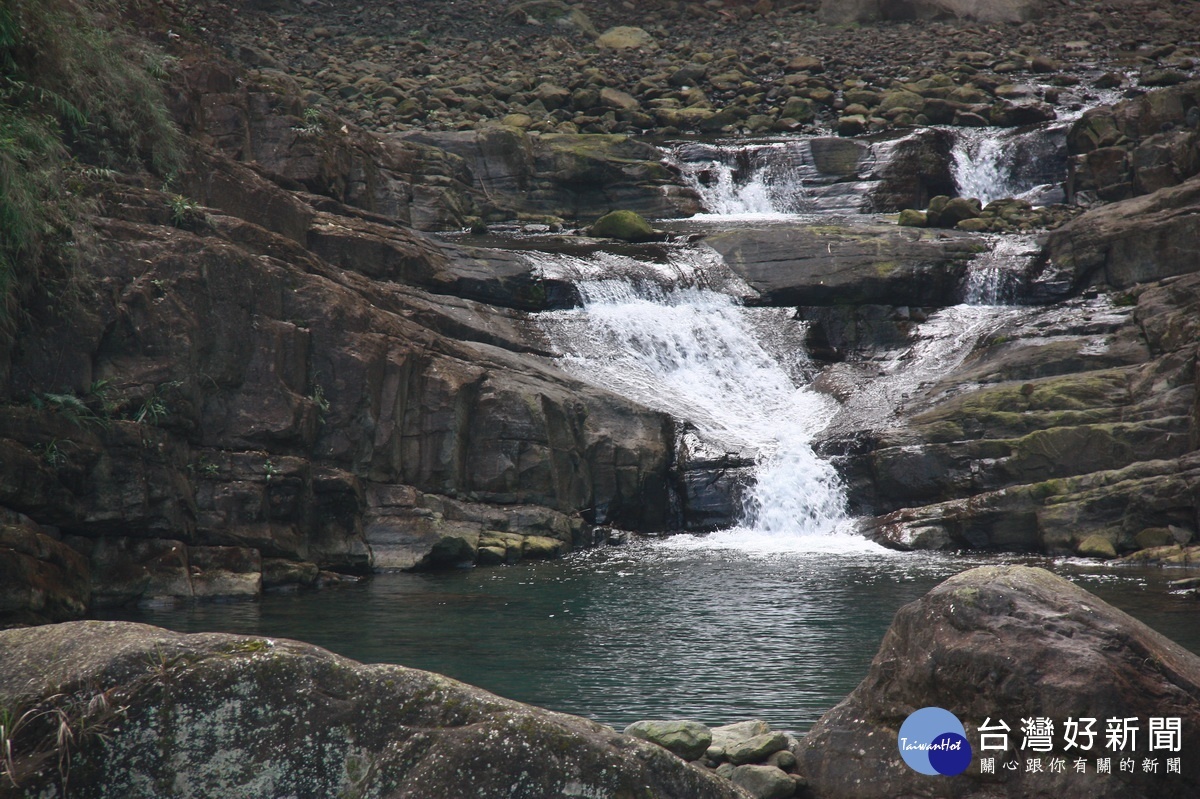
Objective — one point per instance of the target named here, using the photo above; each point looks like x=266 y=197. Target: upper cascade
x=816 y=175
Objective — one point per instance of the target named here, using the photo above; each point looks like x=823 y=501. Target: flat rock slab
x=847 y=261
x=1010 y=643
x=156 y=713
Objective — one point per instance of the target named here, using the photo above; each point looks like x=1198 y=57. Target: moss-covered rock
x=688 y=739
x=1096 y=546
x=624 y=225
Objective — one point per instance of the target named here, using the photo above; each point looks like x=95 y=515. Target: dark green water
x=649 y=631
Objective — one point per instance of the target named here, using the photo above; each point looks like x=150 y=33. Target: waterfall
x=677 y=341
x=745 y=180
x=993 y=276
x=993 y=163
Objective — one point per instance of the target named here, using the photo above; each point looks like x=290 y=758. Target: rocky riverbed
x=665 y=68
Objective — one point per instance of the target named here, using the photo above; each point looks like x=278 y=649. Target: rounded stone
x=1096 y=546
x=763 y=782
x=756 y=749
x=687 y=739
x=624 y=225
x=624 y=37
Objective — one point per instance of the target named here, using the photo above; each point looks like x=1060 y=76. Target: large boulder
x=1008 y=644
x=840 y=12
x=1133 y=241
x=154 y=713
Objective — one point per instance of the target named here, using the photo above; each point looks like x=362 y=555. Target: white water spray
x=738 y=374
x=762 y=180
x=993 y=276
x=979 y=166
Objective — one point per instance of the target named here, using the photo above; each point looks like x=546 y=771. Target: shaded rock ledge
x=155 y=713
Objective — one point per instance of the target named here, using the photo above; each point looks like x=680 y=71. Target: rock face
x=284 y=369
x=1008 y=643
x=249 y=717
x=575 y=176
x=846 y=262
x=1137 y=146
x=1065 y=423
x=1054 y=438
x=41 y=579
x=1137 y=240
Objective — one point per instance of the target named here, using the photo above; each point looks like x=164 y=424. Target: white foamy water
x=980 y=169
x=738 y=374
x=994 y=163
x=756 y=181
x=994 y=276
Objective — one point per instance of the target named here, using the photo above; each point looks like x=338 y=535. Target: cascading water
x=993 y=163
x=993 y=276
x=738 y=374
x=757 y=180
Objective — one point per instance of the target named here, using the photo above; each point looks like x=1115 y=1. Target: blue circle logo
x=933 y=741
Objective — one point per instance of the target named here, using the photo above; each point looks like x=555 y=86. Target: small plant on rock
x=185 y=212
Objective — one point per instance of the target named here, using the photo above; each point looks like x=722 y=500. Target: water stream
x=739 y=375
x=777 y=617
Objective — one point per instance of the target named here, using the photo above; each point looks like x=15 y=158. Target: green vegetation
x=184 y=211
x=77 y=99
x=75 y=409
x=100 y=405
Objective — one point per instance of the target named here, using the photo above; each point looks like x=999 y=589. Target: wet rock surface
x=1006 y=643
x=1066 y=429
x=252 y=717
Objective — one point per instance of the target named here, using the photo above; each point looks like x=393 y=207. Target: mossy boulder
x=623 y=225
x=799 y=109
x=756 y=748
x=958 y=209
x=763 y=782
x=1096 y=546
x=1153 y=537
x=910 y=217
x=974 y=225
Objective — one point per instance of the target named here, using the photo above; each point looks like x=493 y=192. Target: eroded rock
x=1007 y=643
x=251 y=717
